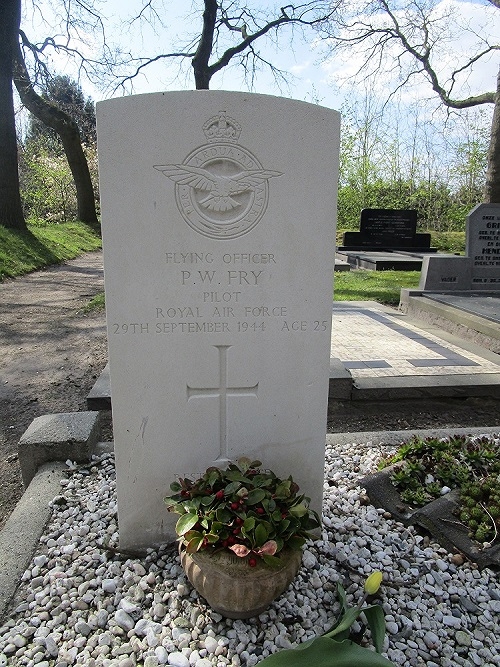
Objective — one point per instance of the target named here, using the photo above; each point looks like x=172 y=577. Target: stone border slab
x=21 y=534
x=58 y=437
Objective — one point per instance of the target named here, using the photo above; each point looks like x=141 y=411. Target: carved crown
x=222 y=128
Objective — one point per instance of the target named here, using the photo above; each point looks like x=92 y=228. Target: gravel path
x=81 y=604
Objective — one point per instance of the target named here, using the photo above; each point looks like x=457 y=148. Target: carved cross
x=222 y=392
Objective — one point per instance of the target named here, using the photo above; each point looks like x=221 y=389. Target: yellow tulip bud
x=372 y=584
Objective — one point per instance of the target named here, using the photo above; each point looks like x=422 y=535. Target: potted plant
x=241 y=530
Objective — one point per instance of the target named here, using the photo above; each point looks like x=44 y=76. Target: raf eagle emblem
x=219 y=188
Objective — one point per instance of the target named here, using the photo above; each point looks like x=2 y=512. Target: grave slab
x=380 y=261
x=218 y=276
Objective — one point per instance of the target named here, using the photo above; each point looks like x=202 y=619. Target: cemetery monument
x=218 y=224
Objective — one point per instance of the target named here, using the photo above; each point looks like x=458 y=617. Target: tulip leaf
x=376 y=622
x=345 y=623
x=324 y=652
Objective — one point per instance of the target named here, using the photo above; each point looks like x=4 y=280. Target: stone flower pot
x=233 y=588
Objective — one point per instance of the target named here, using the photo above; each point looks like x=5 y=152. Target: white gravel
x=82 y=606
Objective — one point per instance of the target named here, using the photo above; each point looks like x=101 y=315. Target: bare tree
x=228 y=35
x=386 y=33
x=77 y=19
x=11 y=212
x=67 y=129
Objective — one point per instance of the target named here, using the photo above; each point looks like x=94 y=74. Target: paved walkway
x=374 y=341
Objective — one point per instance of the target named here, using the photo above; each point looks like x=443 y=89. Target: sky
x=312 y=78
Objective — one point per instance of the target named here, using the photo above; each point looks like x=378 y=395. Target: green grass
x=25 y=251
x=96 y=303
x=381 y=286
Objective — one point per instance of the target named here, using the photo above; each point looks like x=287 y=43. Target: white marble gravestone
x=218 y=215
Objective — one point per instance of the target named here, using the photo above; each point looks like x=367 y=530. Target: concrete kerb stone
x=58 y=437
x=21 y=534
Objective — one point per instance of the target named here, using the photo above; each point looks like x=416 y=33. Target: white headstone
x=218 y=214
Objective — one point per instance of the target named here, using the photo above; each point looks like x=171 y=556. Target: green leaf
x=244 y=463
x=248 y=524
x=323 y=652
x=212 y=538
x=284 y=524
x=236 y=476
x=342 y=598
x=296 y=543
x=276 y=516
x=192 y=534
x=260 y=535
x=376 y=622
x=185 y=523
x=213 y=477
x=298 y=510
x=283 y=489
x=345 y=622
x=231 y=488
x=175 y=487
x=272 y=561
x=194 y=545
x=207 y=500
x=223 y=515
x=261 y=480
x=256 y=496
x=269 y=505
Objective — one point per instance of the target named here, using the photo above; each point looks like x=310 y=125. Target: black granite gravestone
x=387 y=229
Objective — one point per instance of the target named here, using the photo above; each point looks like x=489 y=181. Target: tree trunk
x=492 y=187
x=202 y=73
x=11 y=211
x=67 y=130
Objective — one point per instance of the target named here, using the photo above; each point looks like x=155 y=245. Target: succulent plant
x=469 y=464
